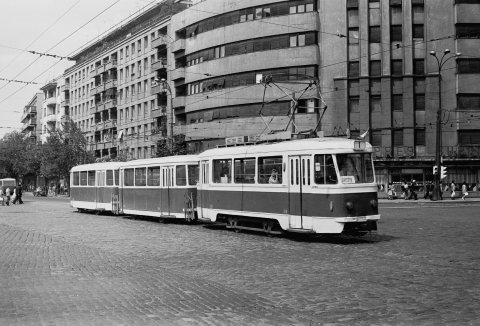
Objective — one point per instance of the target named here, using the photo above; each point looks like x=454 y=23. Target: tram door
x=298 y=183
x=100 y=189
x=202 y=196
x=167 y=173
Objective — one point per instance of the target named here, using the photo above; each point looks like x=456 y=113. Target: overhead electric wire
x=76 y=30
x=31 y=43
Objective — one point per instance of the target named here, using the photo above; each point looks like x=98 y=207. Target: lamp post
x=166 y=86
x=438 y=144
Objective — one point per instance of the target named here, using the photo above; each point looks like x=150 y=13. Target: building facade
x=373 y=63
x=113 y=89
x=31 y=117
x=54 y=112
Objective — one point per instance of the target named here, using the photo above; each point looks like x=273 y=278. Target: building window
x=468 y=102
x=418 y=31
x=419 y=67
x=419 y=102
x=353 y=17
x=471 y=30
x=352 y=3
x=397 y=102
x=397 y=67
x=376 y=138
x=375 y=104
x=374 y=35
x=354 y=105
x=375 y=68
x=468 y=66
x=353 y=69
x=397 y=137
x=419 y=137
x=469 y=137
x=396 y=33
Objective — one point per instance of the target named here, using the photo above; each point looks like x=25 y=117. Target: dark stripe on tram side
x=285 y=203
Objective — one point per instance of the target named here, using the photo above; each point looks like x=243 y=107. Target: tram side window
x=140 y=177
x=244 y=170
x=110 y=178
x=128 y=177
x=76 y=178
x=91 y=178
x=181 y=175
x=153 y=176
x=325 y=170
x=193 y=175
x=270 y=169
x=83 y=178
x=222 y=171
x=117 y=177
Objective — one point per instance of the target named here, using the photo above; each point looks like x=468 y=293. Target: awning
x=120 y=134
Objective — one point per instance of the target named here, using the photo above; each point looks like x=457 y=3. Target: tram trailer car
x=94 y=187
x=158 y=187
x=319 y=185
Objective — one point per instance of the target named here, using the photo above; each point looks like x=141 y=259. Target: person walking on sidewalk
x=452 y=189
x=18 y=197
x=464 y=190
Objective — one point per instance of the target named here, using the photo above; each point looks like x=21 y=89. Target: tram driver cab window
x=325 y=169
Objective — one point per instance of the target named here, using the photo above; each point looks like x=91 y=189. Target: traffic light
x=443 y=173
x=435 y=170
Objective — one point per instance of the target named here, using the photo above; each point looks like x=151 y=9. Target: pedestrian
x=405 y=190
x=452 y=189
x=2 y=198
x=19 y=192
x=391 y=191
x=7 y=194
x=411 y=189
x=464 y=190
x=428 y=190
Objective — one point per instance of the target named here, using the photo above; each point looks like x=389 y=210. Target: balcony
x=112 y=83
x=98 y=89
x=99 y=106
x=178 y=73
x=51 y=101
x=50 y=118
x=66 y=87
x=30 y=124
x=178 y=45
x=112 y=64
x=31 y=134
x=179 y=102
x=162 y=40
x=157 y=89
x=110 y=104
x=159 y=111
x=65 y=102
x=100 y=69
x=108 y=124
x=27 y=111
x=160 y=64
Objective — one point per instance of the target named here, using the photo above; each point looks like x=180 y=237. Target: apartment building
x=113 y=93
x=54 y=112
x=373 y=63
x=31 y=117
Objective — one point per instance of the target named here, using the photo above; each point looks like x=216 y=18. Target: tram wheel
x=267 y=227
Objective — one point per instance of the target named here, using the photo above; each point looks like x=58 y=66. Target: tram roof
x=97 y=166
x=162 y=160
x=324 y=144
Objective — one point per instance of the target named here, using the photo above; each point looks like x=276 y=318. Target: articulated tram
x=317 y=185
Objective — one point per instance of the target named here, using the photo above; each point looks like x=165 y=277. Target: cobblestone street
x=60 y=267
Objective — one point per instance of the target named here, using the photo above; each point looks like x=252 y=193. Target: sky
x=56 y=27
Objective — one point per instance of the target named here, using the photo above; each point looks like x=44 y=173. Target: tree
x=64 y=149
x=18 y=155
x=178 y=147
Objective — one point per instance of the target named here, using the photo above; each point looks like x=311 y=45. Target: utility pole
x=438 y=137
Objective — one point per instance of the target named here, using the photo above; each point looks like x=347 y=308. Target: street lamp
x=166 y=86
x=438 y=144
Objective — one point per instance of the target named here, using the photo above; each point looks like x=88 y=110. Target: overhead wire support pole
x=437 y=194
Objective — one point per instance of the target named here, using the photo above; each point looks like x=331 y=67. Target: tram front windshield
x=355 y=168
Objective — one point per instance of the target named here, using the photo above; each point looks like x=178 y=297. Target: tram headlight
x=374 y=203
x=349 y=205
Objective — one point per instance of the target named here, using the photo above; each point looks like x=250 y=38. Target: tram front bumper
x=350 y=219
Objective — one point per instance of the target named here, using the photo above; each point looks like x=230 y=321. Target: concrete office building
x=112 y=93
x=372 y=59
